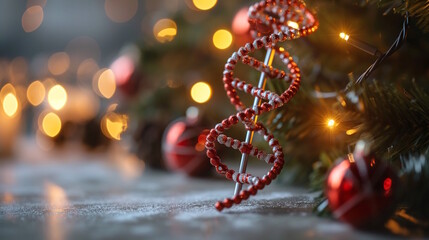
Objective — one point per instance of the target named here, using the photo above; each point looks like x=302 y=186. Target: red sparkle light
x=387 y=184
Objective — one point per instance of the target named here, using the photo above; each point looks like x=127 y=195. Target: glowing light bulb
x=204 y=4
x=344 y=36
x=10 y=104
x=331 y=123
x=201 y=92
x=222 y=39
x=293 y=24
x=351 y=131
x=57 y=97
x=51 y=124
x=36 y=93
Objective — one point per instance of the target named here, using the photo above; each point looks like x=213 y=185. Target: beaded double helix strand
x=278 y=20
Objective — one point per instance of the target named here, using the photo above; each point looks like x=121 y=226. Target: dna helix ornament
x=276 y=21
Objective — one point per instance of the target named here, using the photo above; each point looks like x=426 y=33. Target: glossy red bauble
x=362 y=191
x=183 y=148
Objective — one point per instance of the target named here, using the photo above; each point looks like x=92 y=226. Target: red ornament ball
x=241 y=28
x=127 y=75
x=183 y=147
x=362 y=191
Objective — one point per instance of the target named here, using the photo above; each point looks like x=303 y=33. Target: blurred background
x=78 y=72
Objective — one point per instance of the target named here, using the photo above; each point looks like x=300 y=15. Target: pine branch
x=418 y=9
x=415 y=175
x=396 y=120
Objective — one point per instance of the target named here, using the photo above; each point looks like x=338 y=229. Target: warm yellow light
x=331 y=123
x=107 y=83
x=165 y=30
x=351 y=131
x=58 y=63
x=113 y=125
x=51 y=124
x=344 y=36
x=10 y=104
x=57 y=97
x=32 y=18
x=293 y=24
x=222 y=39
x=201 y=92
x=36 y=93
x=204 y=4
x=121 y=11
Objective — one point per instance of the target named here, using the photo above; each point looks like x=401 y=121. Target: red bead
x=227 y=202
x=219 y=206
x=244 y=195
x=237 y=199
x=253 y=190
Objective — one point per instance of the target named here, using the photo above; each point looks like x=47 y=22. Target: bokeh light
x=51 y=124
x=113 y=125
x=222 y=39
x=165 y=30
x=240 y=24
x=86 y=70
x=32 y=18
x=36 y=93
x=17 y=71
x=107 y=83
x=57 y=97
x=201 y=92
x=123 y=68
x=204 y=4
x=58 y=63
x=10 y=104
x=120 y=11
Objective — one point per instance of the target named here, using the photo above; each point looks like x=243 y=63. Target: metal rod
x=269 y=56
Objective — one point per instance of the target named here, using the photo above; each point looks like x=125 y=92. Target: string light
x=351 y=131
x=222 y=39
x=363 y=46
x=201 y=92
x=330 y=123
x=344 y=36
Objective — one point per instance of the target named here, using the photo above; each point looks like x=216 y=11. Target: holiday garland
x=286 y=20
